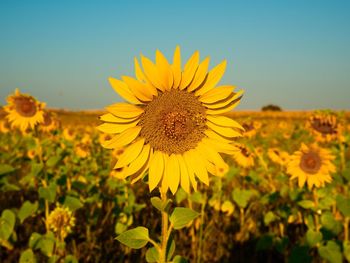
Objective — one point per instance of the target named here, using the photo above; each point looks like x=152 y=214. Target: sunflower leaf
x=134 y=238
x=181 y=216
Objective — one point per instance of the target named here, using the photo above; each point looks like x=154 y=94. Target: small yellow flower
x=61 y=221
x=69 y=134
x=50 y=122
x=277 y=156
x=4 y=126
x=311 y=164
x=24 y=111
x=82 y=150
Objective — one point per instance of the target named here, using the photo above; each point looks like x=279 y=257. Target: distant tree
x=271 y=107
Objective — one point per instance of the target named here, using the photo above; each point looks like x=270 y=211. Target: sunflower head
x=172 y=123
x=82 y=150
x=311 y=164
x=69 y=133
x=4 y=126
x=324 y=126
x=61 y=221
x=251 y=128
x=278 y=156
x=24 y=111
x=244 y=157
x=50 y=122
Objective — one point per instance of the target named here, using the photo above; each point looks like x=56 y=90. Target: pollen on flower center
x=174 y=122
x=310 y=162
x=25 y=106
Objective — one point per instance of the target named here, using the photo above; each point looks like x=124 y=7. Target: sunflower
x=61 y=221
x=251 y=128
x=324 y=126
x=82 y=149
x=24 y=111
x=172 y=126
x=69 y=134
x=4 y=126
x=277 y=156
x=50 y=122
x=311 y=164
x=244 y=157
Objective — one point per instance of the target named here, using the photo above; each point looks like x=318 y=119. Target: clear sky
x=292 y=53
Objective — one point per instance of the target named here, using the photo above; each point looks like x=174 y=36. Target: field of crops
x=60 y=201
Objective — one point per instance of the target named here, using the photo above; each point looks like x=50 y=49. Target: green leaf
x=120 y=228
x=34 y=240
x=159 y=204
x=36 y=168
x=197 y=197
x=27 y=256
x=307 y=204
x=70 y=259
x=180 y=195
x=346 y=246
x=242 y=196
x=181 y=216
x=179 y=259
x=134 y=238
x=72 y=203
x=313 y=237
x=48 y=193
x=269 y=218
x=46 y=244
x=328 y=222
x=7 y=223
x=26 y=210
x=343 y=205
x=152 y=255
x=53 y=160
x=331 y=252
x=6 y=168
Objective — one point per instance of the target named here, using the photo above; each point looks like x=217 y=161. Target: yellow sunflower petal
x=164 y=69
x=214 y=77
x=176 y=67
x=194 y=158
x=139 y=162
x=189 y=70
x=140 y=90
x=112 y=128
x=184 y=177
x=200 y=76
x=186 y=157
x=125 y=110
x=217 y=94
x=173 y=173
x=226 y=102
x=123 y=138
x=224 y=121
x=156 y=168
x=165 y=180
x=138 y=71
x=224 y=131
x=122 y=89
x=151 y=73
x=222 y=110
x=130 y=154
x=109 y=117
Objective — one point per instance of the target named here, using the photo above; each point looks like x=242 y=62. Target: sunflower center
x=324 y=127
x=174 y=122
x=310 y=162
x=25 y=106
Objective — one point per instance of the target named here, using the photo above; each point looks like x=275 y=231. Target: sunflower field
x=173 y=175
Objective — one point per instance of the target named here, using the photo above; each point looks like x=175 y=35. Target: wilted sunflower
x=243 y=157
x=312 y=165
x=325 y=127
x=24 y=111
x=61 y=221
x=172 y=125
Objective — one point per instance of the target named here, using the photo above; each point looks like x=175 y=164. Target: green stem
x=316 y=216
x=200 y=245
x=346 y=229
x=165 y=236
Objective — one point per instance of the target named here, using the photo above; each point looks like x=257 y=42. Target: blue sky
x=291 y=53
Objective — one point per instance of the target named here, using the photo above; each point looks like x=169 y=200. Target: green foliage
x=134 y=238
x=48 y=193
x=7 y=223
x=72 y=203
x=331 y=252
x=26 y=210
x=5 y=169
x=242 y=196
x=182 y=216
x=313 y=237
x=343 y=204
x=27 y=256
